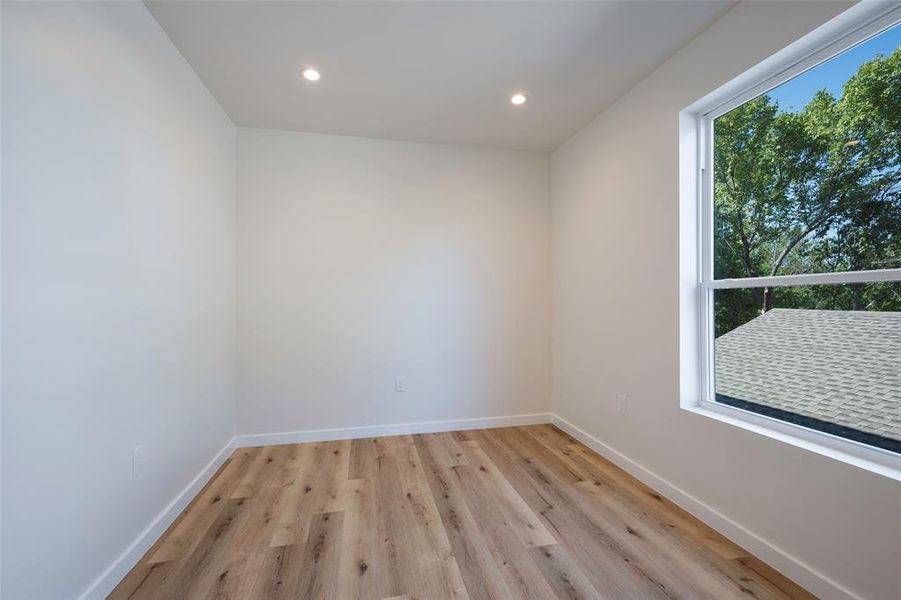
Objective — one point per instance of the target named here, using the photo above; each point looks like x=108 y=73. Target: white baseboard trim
x=806 y=576
x=787 y=564
x=351 y=433
x=110 y=578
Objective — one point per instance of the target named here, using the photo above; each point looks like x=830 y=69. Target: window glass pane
x=807 y=178
x=825 y=357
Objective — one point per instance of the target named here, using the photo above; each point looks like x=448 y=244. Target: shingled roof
x=826 y=366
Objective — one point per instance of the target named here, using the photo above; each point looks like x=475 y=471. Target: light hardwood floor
x=518 y=513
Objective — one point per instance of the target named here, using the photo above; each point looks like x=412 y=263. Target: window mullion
x=843 y=277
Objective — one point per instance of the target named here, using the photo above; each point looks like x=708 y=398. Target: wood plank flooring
x=512 y=513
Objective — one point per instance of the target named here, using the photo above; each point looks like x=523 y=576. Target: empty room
x=449 y=299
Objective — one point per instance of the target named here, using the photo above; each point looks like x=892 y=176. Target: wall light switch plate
x=621 y=405
x=400 y=383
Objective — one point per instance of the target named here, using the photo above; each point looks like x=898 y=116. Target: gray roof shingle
x=843 y=367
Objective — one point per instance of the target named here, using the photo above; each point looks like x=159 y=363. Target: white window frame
x=696 y=172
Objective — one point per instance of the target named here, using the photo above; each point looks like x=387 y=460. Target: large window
x=801 y=245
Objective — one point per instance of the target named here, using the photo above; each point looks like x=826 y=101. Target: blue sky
x=794 y=94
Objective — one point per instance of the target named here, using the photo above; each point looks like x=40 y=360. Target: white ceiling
x=428 y=71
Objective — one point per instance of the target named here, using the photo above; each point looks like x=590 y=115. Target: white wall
x=1 y=309
x=118 y=286
x=615 y=241
x=360 y=260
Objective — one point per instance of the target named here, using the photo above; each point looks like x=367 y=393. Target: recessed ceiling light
x=517 y=99
x=310 y=74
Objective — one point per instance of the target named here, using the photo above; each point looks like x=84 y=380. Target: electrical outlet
x=137 y=461
x=621 y=405
x=400 y=383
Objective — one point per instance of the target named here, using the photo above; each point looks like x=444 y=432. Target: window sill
x=875 y=460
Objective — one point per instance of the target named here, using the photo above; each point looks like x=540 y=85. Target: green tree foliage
x=817 y=190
